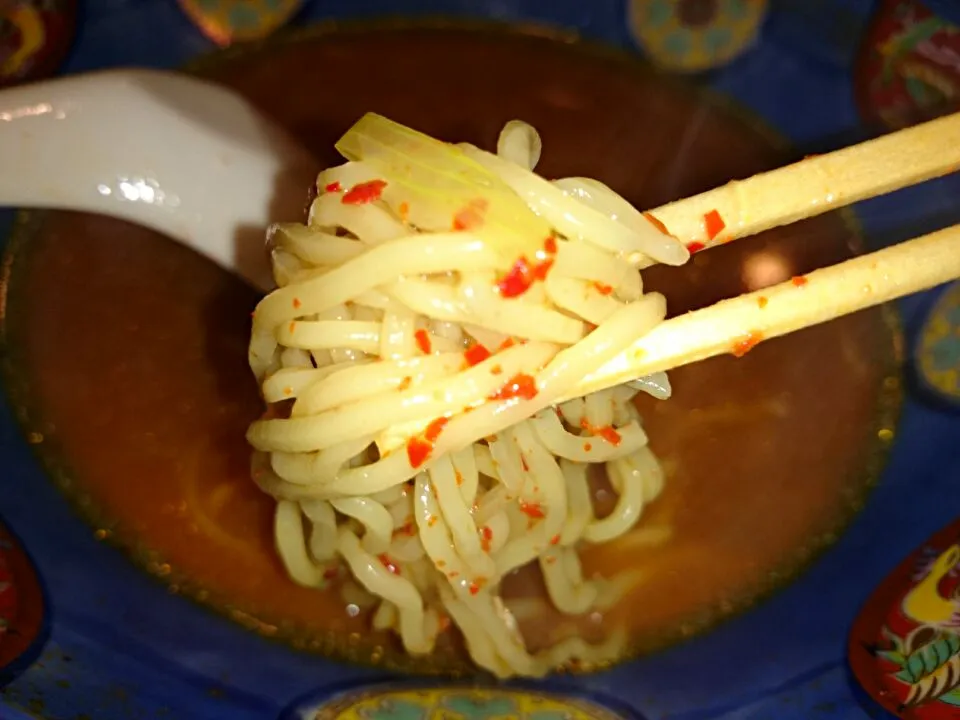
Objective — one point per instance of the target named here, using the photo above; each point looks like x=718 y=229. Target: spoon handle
x=187 y=158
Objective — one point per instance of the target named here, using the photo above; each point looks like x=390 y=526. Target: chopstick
x=815 y=185
x=737 y=324
x=780 y=197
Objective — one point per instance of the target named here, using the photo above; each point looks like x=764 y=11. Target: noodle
x=383 y=319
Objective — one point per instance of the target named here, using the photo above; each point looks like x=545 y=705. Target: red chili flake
x=602 y=288
x=555 y=540
x=459 y=478
x=404 y=211
x=508 y=343
x=405 y=383
x=520 y=385
x=292 y=326
x=288 y=390
x=540 y=270
x=432 y=521
x=407 y=528
x=363 y=193
x=477 y=585
x=496 y=370
x=799 y=281
x=486 y=537
x=471 y=216
x=762 y=302
x=532 y=510
x=517 y=281
x=423 y=341
x=714 y=224
x=521 y=277
x=418 y=450
x=388 y=563
x=523 y=464
x=297 y=303
x=331 y=572
x=434 y=429
x=607 y=432
x=476 y=354
x=657 y=224
x=333 y=187
x=748 y=343
x=588 y=447
x=550 y=245
x=695 y=247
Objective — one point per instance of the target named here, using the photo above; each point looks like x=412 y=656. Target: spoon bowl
x=182 y=156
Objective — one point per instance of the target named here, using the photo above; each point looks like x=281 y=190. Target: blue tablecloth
x=798 y=77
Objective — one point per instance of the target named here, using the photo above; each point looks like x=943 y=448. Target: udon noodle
x=437 y=303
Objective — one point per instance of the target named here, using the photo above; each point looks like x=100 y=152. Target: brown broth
x=129 y=352
x=135 y=352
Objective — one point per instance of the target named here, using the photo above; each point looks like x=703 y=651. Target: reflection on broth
x=764 y=455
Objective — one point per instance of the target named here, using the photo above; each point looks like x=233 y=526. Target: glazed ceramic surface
x=116 y=644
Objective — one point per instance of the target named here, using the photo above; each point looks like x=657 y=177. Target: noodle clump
x=437 y=304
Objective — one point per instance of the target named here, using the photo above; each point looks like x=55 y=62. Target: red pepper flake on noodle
x=607 y=432
x=762 y=302
x=363 y=193
x=476 y=354
x=471 y=216
x=695 y=247
x=714 y=224
x=550 y=245
x=418 y=450
x=404 y=383
x=602 y=288
x=531 y=510
x=404 y=211
x=423 y=341
x=434 y=429
x=748 y=343
x=388 y=563
x=486 y=537
x=555 y=540
x=799 y=281
x=520 y=385
x=333 y=187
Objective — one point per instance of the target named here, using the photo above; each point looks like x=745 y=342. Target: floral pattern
x=457 y=704
x=229 y=21
x=693 y=35
x=938 y=351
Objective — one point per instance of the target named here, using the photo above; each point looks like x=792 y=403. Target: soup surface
x=128 y=352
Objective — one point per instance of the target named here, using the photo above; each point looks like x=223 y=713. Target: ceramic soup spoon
x=185 y=157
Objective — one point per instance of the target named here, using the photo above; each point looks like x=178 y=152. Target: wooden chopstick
x=816 y=185
x=737 y=324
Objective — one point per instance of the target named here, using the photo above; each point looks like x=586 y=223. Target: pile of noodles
x=385 y=319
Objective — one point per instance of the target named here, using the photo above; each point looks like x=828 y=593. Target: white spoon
x=188 y=158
